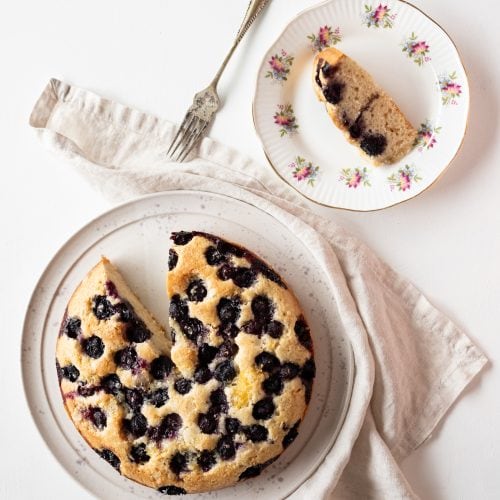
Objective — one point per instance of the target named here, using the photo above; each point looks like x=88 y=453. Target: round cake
x=210 y=404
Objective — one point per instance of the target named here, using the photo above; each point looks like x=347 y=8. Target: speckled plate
x=135 y=236
x=408 y=54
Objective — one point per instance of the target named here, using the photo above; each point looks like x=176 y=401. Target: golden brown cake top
x=214 y=403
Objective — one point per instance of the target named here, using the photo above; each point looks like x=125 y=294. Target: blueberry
x=250 y=472
x=87 y=390
x=206 y=460
x=269 y=273
x=356 y=129
x=169 y=426
x=173 y=334
x=59 y=371
x=93 y=347
x=178 y=308
x=225 y=272
x=137 y=332
x=183 y=385
x=172 y=259
x=228 y=330
x=158 y=397
x=111 y=289
x=134 y=398
x=161 y=367
x=178 y=463
x=124 y=311
x=193 y=329
x=262 y=309
x=111 y=384
x=308 y=390
x=172 y=490
x=253 y=327
x=228 y=248
x=333 y=92
x=316 y=76
x=289 y=371
x=267 y=362
x=102 y=307
x=182 y=237
x=263 y=409
x=328 y=70
x=208 y=423
x=138 y=454
x=307 y=375
x=233 y=425
x=256 y=433
x=273 y=385
x=303 y=334
x=196 y=291
x=373 y=145
x=73 y=327
x=214 y=256
x=97 y=417
x=70 y=372
x=225 y=447
x=229 y=309
x=126 y=358
x=202 y=374
x=206 y=354
x=308 y=370
x=244 y=277
x=110 y=457
x=218 y=400
x=224 y=372
x=291 y=435
x=227 y=349
x=137 y=425
x=274 y=329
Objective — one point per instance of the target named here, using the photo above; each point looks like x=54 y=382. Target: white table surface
x=154 y=55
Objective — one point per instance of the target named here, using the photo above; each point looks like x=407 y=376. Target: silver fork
x=206 y=102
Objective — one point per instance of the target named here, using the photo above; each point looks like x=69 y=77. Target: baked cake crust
x=361 y=109
x=210 y=404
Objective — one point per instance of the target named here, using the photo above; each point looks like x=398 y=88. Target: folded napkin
x=411 y=361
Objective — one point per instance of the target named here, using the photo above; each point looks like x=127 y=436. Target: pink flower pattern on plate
x=426 y=138
x=417 y=50
x=403 y=179
x=379 y=17
x=450 y=89
x=354 y=177
x=304 y=170
x=280 y=65
x=285 y=119
x=326 y=37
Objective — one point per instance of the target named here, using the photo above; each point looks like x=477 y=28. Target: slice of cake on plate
x=367 y=115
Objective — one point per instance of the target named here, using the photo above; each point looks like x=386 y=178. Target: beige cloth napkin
x=412 y=362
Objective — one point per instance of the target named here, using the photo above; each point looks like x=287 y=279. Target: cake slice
x=366 y=114
x=211 y=404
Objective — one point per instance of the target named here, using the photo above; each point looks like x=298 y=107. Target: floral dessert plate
x=408 y=54
x=135 y=236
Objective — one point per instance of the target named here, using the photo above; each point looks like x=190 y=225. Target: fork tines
x=187 y=137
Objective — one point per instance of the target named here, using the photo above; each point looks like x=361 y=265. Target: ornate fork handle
x=254 y=9
x=206 y=102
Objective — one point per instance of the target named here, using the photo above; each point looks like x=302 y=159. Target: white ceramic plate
x=408 y=54
x=135 y=236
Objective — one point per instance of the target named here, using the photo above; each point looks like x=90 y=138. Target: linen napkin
x=411 y=361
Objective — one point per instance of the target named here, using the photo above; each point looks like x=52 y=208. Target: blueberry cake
x=211 y=403
x=369 y=118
